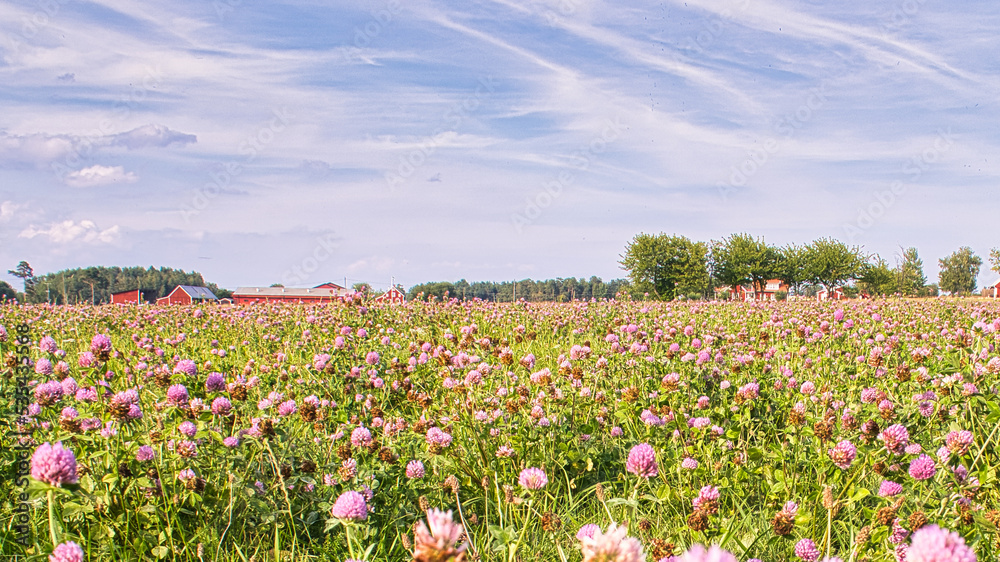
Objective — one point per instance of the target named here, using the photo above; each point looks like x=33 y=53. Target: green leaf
x=614 y=502
x=160 y=551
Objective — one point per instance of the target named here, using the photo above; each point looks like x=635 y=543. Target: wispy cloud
x=109 y=92
x=40 y=149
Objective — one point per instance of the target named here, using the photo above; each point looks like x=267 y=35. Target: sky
x=305 y=141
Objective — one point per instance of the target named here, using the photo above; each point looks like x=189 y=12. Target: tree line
x=668 y=266
x=558 y=290
x=94 y=285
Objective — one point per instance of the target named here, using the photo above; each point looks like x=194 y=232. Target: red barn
x=127 y=297
x=329 y=286
x=187 y=294
x=138 y=296
x=392 y=296
x=252 y=295
x=994 y=290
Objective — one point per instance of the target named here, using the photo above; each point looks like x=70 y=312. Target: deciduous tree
x=742 y=259
x=832 y=263
x=666 y=266
x=959 y=271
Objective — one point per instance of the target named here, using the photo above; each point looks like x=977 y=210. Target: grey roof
x=289 y=292
x=198 y=292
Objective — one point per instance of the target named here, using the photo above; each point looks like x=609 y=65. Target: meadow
x=602 y=430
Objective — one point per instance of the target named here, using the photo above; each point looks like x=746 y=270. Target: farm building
x=392 y=296
x=994 y=290
x=128 y=297
x=330 y=286
x=836 y=295
x=745 y=293
x=186 y=294
x=252 y=295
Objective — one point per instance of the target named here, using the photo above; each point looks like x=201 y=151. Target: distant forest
x=95 y=284
x=559 y=290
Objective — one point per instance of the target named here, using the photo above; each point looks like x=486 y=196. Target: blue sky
x=301 y=142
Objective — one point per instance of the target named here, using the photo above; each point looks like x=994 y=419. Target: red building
x=748 y=293
x=330 y=286
x=127 y=297
x=392 y=296
x=836 y=294
x=994 y=291
x=252 y=295
x=187 y=294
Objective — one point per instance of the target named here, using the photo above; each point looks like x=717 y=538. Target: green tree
x=910 y=279
x=877 y=278
x=831 y=263
x=959 y=271
x=438 y=289
x=25 y=273
x=362 y=287
x=666 y=266
x=995 y=259
x=742 y=259
x=7 y=293
x=792 y=266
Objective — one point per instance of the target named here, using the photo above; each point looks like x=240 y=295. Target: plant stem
x=520 y=537
x=53 y=533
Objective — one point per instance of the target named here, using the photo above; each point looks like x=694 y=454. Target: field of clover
x=602 y=431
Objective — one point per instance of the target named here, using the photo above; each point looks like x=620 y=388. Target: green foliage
x=24 y=272
x=959 y=271
x=7 y=293
x=910 y=278
x=832 y=263
x=792 y=266
x=666 y=266
x=742 y=259
x=995 y=259
x=549 y=290
x=877 y=278
x=96 y=284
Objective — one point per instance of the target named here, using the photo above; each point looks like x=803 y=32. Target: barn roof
x=197 y=292
x=288 y=292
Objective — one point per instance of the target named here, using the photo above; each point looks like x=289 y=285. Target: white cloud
x=69 y=231
x=99 y=175
x=7 y=210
